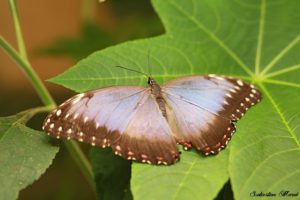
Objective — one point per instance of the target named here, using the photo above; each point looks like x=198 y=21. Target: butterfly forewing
x=125 y=118
x=205 y=107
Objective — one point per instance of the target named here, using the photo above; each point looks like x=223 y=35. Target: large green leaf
x=255 y=40
x=25 y=154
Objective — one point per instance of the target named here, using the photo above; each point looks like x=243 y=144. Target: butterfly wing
x=204 y=109
x=125 y=118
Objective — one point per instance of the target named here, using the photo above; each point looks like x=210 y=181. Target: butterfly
x=147 y=124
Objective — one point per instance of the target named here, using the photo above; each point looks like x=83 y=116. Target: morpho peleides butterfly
x=146 y=124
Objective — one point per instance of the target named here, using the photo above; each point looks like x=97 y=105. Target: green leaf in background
x=25 y=154
x=255 y=40
x=112 y=174
x=92 y=38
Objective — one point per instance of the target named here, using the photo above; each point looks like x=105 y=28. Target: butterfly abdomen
x=156 y=92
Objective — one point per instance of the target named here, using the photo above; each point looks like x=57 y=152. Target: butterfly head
x=151 y=81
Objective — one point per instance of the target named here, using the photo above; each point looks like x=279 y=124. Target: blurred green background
x=57 y=34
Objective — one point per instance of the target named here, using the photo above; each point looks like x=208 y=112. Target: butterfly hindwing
x=148 y=137
x=204 y=109
x=195 y=126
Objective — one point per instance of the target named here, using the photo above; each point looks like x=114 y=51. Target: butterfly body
x=157 y=93
x=146 y=124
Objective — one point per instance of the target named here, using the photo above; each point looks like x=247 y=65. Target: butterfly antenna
x=133 y=70
x=149 y=67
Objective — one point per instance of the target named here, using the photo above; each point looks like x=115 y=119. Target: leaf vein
x=283 y=178
x=260 y=35
x=278 y=82
x=187 y=173
x=281 y=54
x=283 y=71
x=257 y=142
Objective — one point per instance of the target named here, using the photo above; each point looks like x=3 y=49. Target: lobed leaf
x=255 y=40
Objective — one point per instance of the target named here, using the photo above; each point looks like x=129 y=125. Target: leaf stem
x=22 y=61
x=21 y=44
x=72 y=146
x=28 y=114
x=25 y=66
x=82 y=162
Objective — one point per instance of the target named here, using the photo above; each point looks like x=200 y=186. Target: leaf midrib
x=215 y=39
x=281 y=115
x=260 y=36
x=285 y=122
x=257 y=167
x=183 y=180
